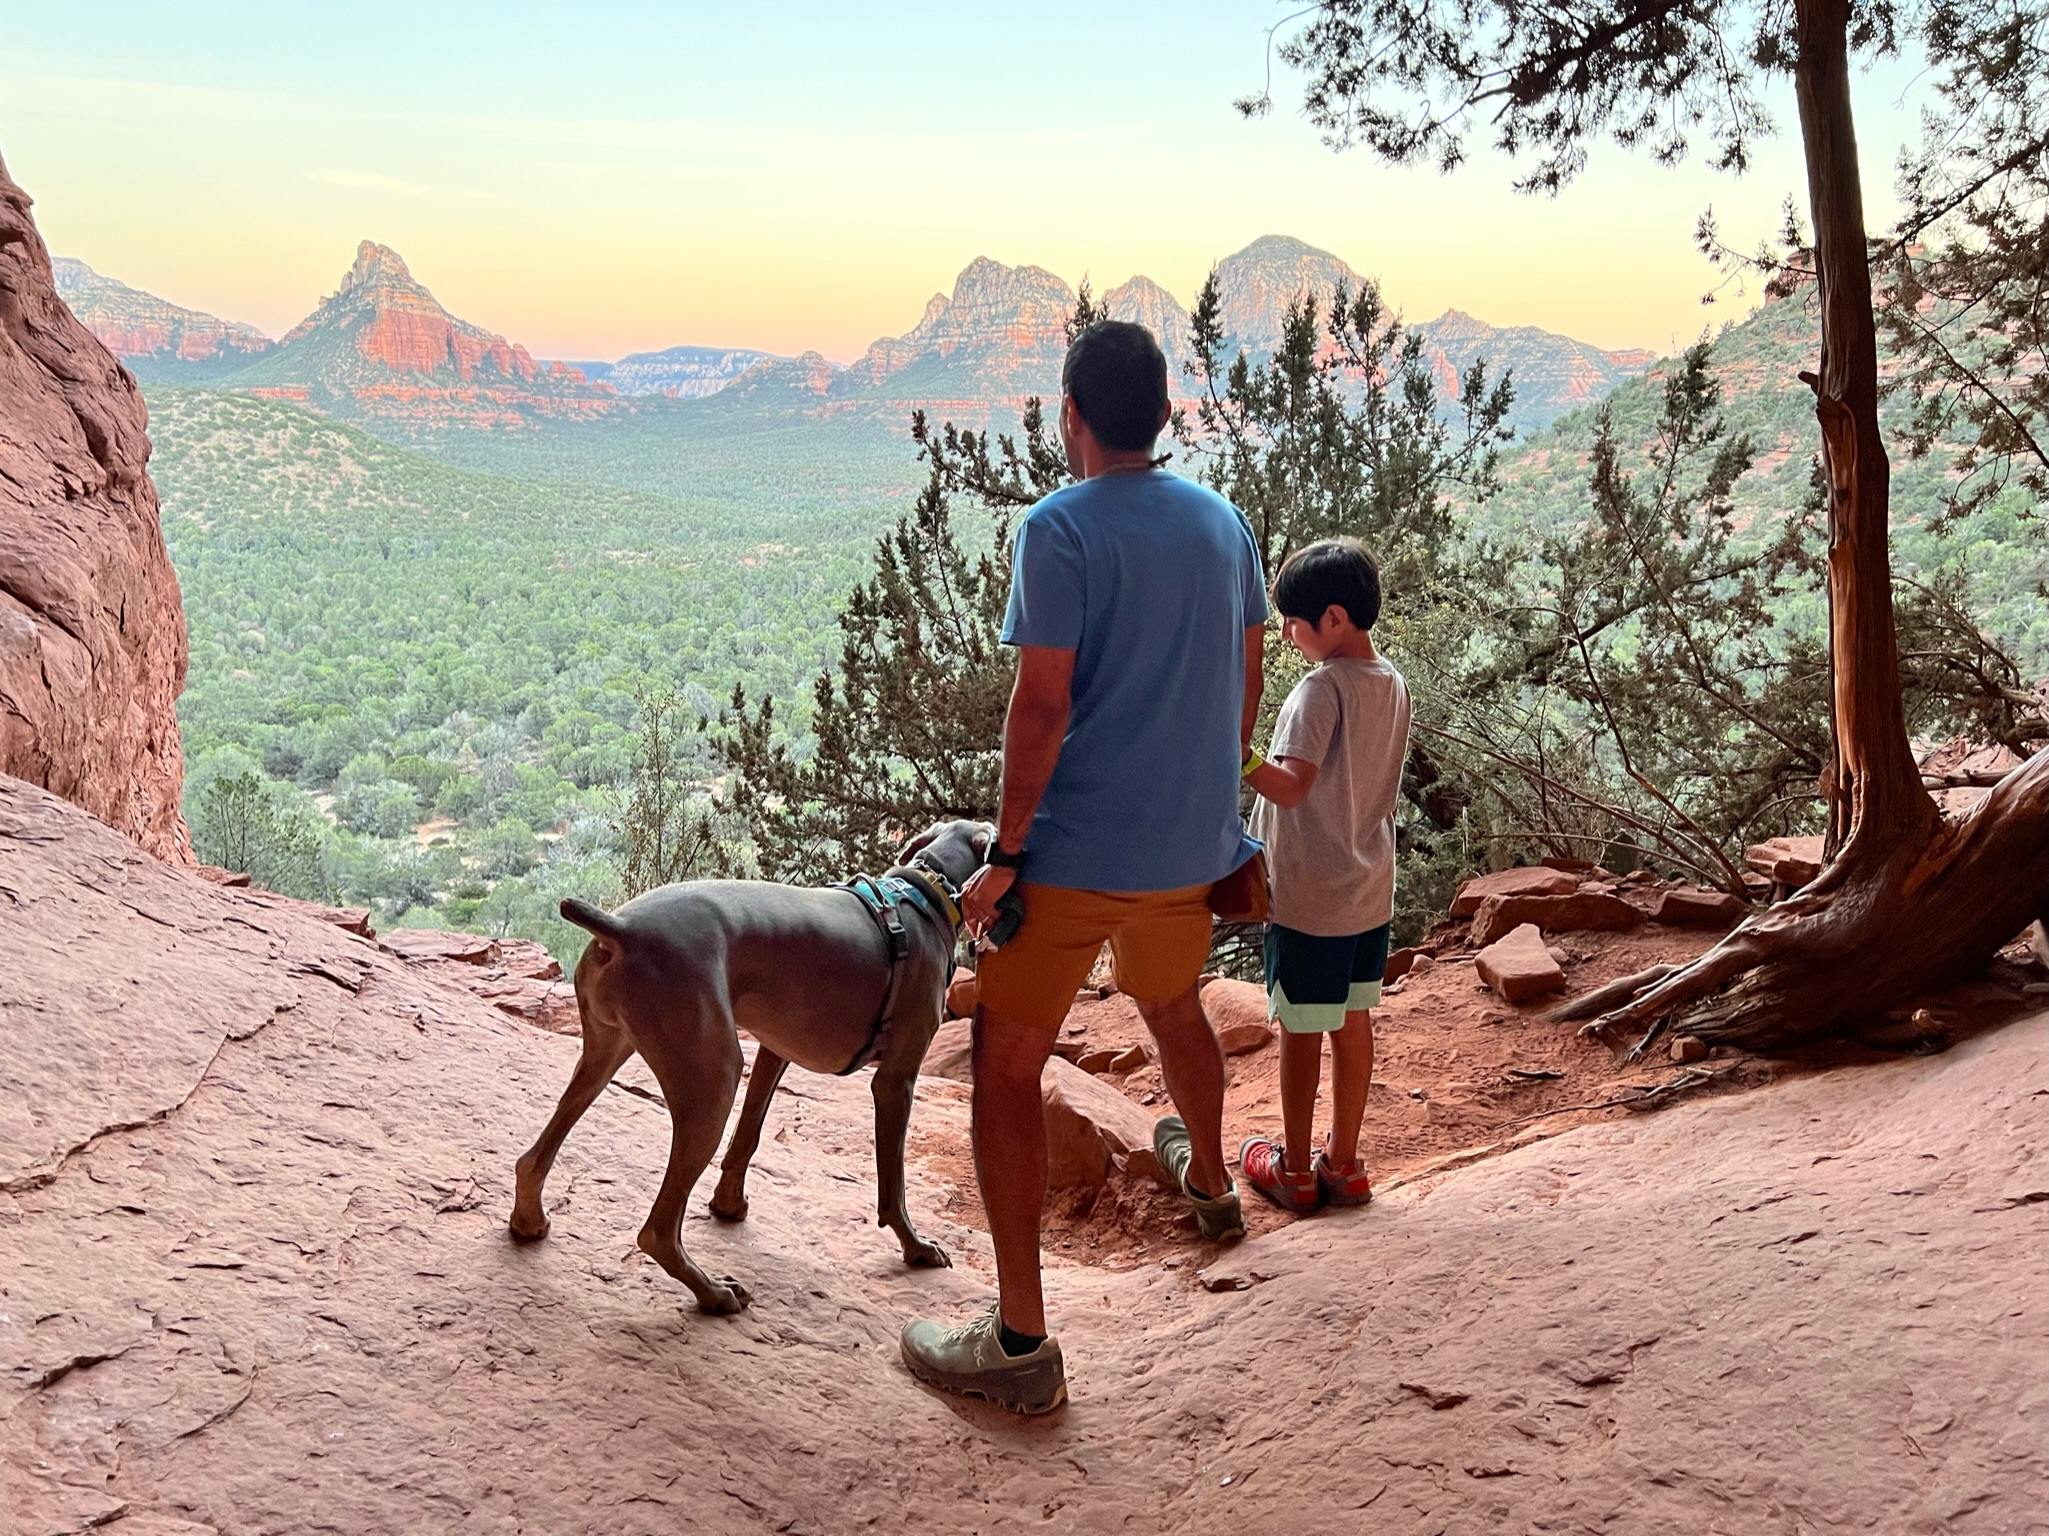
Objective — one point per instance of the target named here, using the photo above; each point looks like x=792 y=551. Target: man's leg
x=1192 y=1063
x=1009 y=1129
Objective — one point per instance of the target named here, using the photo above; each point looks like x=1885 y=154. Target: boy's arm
x=1285 y=781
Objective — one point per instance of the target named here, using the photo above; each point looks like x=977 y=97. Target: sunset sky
x=620 y=177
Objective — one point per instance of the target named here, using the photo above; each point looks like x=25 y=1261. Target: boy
x=1326 y=814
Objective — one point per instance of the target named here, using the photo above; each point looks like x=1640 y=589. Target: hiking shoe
x=1220 y=1219
x=1345 y=1185
x=970 y=1360
x=1265 y=1169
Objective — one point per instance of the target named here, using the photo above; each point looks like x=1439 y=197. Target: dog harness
x=929 y=891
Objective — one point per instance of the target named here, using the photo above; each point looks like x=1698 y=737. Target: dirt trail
x=253 y=1276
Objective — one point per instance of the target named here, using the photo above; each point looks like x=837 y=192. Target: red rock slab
x=1091 y=1128
x=1518 y=966
x=213 y=874
x=436 y=944
x=523 y=957
x=549 y=1005
x=1790 y=861
x=1532 y=881
x=1686 y=908
x=1582 y=911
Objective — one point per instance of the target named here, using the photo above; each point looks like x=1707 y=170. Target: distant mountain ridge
x=381 y=347
x=999 y=337
x=157 y=339
x=681 y=373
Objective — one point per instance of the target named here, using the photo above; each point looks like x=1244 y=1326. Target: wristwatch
x=998 y=859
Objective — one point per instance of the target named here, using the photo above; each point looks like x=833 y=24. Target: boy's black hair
x=1329 y=571
x=1117 y=377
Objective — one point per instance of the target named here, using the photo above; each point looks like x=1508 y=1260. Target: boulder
x=1683 y=907
x=1787 y=861
x=1518 y=966
x=1091 y=1128
x=1229 y=1003
x=1244 y=1039
x=951 y=1053
x=1580 y=911
x=1095 y=1063
x=1401 y=962
x=1688 y=1048
x=1533 y=881
x=962 y=994
x=92 y=629
x=1131 y=1058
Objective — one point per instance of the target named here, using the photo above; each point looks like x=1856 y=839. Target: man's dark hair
x=1117 y=377
x=1329 y=571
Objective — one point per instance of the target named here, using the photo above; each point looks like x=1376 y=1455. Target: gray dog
x=809 y=974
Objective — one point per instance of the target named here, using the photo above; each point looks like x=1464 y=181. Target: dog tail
x=607 y=928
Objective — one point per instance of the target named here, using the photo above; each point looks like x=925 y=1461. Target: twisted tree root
x=1884 y=923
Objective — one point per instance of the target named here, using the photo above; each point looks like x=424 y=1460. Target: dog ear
x=920 y=843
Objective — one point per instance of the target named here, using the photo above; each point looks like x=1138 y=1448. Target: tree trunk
x=1909 y=903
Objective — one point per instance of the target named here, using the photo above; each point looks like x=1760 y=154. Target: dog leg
x=729 y=1200
x=605 y=1049
x=894 y=1090
x=699 y=1086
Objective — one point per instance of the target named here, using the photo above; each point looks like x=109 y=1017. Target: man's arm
x=1032 y=733
x=1255 y=685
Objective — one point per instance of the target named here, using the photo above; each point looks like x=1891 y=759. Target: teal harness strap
x=883 y=898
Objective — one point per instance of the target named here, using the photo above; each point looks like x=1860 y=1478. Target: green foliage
x=664 y=833
x=241 y=825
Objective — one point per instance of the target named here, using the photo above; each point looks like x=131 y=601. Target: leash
x=925 y=888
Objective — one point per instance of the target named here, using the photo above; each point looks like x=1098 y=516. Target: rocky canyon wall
x=92 y=630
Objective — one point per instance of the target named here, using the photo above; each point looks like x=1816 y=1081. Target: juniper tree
x=1908 y=902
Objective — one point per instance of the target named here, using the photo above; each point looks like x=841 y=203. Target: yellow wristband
x=1253 y=763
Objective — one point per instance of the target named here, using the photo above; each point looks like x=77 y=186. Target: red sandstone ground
x=254 y=1173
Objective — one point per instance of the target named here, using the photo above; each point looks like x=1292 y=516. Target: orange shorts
x=1159 y=943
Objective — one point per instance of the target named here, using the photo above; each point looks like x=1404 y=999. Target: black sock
x=1015 y=1343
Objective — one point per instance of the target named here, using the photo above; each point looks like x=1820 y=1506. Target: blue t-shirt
x=1152 y=581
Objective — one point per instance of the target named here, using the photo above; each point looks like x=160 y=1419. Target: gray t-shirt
x=1331 y=858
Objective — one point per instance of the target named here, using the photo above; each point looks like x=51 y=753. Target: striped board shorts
x=1313 y=981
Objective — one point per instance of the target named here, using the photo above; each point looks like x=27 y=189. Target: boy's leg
x=1351 y=1075
x=1301 y=1071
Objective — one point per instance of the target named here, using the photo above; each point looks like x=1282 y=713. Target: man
x=1138 y=610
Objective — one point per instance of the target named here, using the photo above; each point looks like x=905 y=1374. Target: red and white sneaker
x=1265 y=1170
x=1347 y=1185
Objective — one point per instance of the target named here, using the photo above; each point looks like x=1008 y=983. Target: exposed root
x=1884 y=922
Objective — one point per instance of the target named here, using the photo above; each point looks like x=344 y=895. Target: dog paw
x=527 y=1231
x=925 y=1254
x=725 y=1298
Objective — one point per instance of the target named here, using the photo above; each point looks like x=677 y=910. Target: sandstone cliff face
x=92 y=631
x=381 y=346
